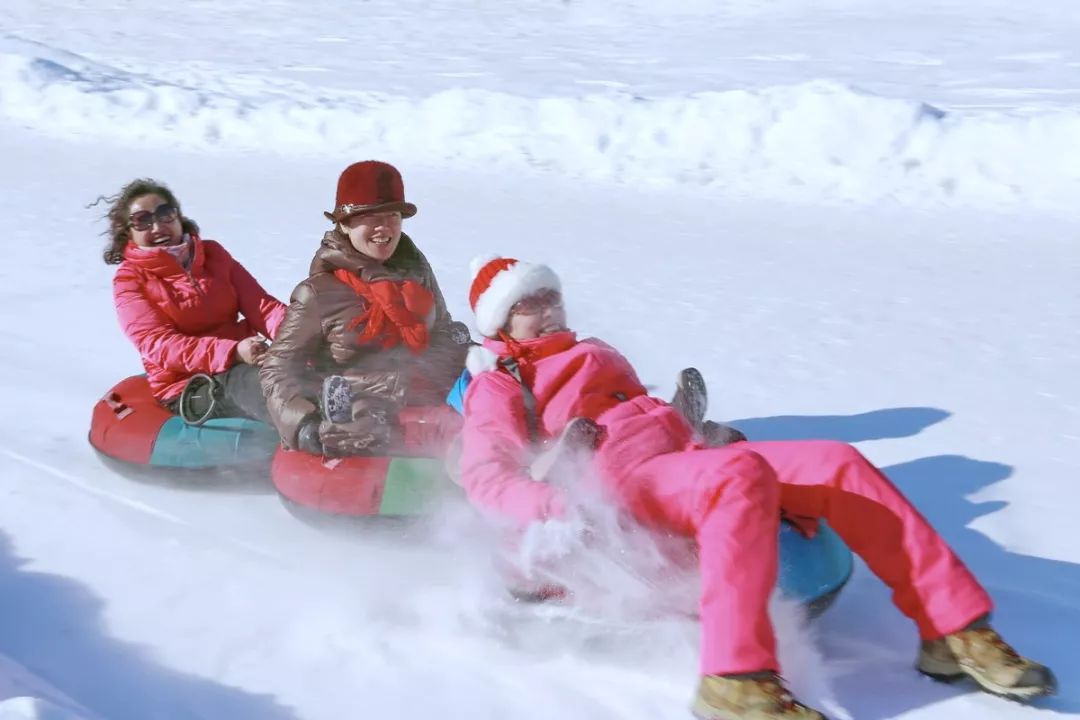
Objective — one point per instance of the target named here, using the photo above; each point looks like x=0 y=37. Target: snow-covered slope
x=812 y=141
x=939 y=337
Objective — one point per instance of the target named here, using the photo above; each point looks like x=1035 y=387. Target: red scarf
x=531 y=350
x=527 y=352
x=396 y=311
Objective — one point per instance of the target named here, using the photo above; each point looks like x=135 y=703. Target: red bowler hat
x=370 y=186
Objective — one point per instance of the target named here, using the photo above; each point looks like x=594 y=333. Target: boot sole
x=704 y=712
x=1021 y=695
x=707 y=713
x=692 y=384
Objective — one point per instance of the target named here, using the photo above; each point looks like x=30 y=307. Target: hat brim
x=406 y=209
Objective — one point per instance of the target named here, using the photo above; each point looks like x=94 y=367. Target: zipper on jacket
x=195 y=284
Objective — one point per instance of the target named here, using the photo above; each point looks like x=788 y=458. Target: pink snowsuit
x=728 y=499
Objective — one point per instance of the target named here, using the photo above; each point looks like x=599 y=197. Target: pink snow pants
x=729 y=500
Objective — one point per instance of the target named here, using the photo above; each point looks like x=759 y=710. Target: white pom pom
x=480 y=261
x=480 y=360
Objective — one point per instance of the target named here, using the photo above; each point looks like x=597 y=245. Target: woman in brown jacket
x=367 y=333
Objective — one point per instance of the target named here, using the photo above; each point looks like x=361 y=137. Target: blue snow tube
x=813 y=570
x=456 y=397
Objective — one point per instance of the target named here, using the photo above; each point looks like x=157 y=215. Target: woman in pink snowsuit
x=653 y=465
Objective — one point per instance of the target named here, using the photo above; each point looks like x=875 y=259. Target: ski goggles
x=537 y=303
x=144 y=219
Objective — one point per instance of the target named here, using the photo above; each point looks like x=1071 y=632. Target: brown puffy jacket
x=314 y=342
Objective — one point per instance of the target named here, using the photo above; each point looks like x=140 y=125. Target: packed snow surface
x=858 y=219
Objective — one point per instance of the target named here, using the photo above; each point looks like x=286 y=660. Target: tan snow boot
x=761 y=696
x=980 y=654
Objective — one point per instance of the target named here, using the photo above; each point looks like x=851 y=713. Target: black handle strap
x=192 y=390
x=532 y=422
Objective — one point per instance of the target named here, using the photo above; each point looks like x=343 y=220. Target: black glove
x=307 y=436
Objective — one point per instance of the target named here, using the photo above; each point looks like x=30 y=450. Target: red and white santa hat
x=500 y=282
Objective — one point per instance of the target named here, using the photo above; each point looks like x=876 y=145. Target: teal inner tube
x=813 y=570
x=214 y=444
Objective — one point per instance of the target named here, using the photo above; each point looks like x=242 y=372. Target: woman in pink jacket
x=196 y=316
x=533 y=379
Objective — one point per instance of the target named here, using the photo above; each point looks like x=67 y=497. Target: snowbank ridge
x=815 y=141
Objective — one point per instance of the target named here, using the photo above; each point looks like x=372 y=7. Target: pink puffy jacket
x=569 y=379
x=185 y=322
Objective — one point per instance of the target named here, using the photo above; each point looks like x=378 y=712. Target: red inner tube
x=342 y=486
x=126 y=421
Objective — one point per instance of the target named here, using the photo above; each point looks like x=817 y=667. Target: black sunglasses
x=144 y=219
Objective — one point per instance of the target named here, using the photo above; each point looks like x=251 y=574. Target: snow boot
x=979 y=653
x=337 y=399
x=580 y=437
x=758 y=696
x=691 y=397
x=718 y=435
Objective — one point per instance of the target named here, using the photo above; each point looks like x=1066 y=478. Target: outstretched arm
x=495 y=450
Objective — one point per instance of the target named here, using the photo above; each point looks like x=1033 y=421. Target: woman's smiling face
x=154 y=222
x=375 y=234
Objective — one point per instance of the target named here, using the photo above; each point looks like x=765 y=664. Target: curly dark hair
x=117 y=215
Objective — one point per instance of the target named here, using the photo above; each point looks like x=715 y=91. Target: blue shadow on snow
x=875 y=425
x=1035 y=598
x=52 y=626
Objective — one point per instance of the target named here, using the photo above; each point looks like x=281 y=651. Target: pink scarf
x=183 y=252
